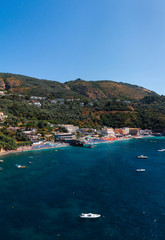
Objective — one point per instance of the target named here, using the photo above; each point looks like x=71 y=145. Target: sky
x=62 y=40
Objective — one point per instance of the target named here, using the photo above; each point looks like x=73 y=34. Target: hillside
x=108 y=89
x=72 y=89
x=79 y=102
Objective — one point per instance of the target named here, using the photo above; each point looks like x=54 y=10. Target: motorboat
x=20 y=166
x=1 y=160
x=140 y=170
x=161 y=150
x=89 y=215
x=142 y=157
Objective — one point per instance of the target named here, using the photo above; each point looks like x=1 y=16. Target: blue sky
x=62 y=40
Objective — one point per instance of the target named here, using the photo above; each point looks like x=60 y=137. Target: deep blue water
x=44 y=201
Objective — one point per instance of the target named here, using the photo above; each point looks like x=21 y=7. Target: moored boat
x=89 y=215
x=142 y=157
x=140 y=170
x=161 y=150
x=20 y=166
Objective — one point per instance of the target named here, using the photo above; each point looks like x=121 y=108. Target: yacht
x=140 y=170
x=142 y=157
x=161 y=150
x=89 y=215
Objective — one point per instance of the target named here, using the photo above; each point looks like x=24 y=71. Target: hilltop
x=21 y=84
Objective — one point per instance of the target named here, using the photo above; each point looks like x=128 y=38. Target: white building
x=70 y=128
x=53 y=101
x=108 y=132
x=2 y=116
x=126 y=130
x=38 y=104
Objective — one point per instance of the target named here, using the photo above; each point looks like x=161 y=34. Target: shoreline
x=30 y=148
x=121 y=139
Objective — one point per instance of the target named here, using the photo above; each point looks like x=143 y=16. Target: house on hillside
x=2 y=116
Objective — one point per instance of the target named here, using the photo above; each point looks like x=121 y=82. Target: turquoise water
x=44 y=200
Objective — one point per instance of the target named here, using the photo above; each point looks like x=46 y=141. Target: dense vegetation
x=91 y=104
x=149 y=113
x=72 y=89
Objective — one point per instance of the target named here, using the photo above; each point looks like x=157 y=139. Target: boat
x=161 y=150
x=142 y=157
x=1 y=160
x=140 y=170
x=89 y=215
x=20 y=166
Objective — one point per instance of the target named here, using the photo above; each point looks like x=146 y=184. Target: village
x=48 y=134
x=63 y=135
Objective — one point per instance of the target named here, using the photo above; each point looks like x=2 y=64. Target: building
x=38 y=104
x=127 y=102
x=38 y=98
x=134 y=131
x=145 y=132
x=2 y=93
x=125 y=130
x=81 y=104
x=53 y=101
x=70 y=128
x=108 y=132
x=2 y=116
x=64 y=137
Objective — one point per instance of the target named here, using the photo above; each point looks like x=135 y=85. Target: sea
x=44 y=200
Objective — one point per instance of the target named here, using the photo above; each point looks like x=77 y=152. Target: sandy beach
x=31 y=148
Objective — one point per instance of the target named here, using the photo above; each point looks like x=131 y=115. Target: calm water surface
x=44 y=201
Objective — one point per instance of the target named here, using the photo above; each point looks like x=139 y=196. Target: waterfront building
x=108 y=132
x=64 y=136
x=134 y=131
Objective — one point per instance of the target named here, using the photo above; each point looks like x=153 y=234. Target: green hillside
x=78 y=88
x=85 y=103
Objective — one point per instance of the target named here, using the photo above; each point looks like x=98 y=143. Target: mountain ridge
x=100 y=89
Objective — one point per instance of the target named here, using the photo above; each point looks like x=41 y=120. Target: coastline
x=121 y=139
x=30 y=148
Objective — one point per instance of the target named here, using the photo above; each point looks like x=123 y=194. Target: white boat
x=161 y=150
x=89 y=215
x=142 y=157
x=140 y=170
x=20 y=166
x=1 y=160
